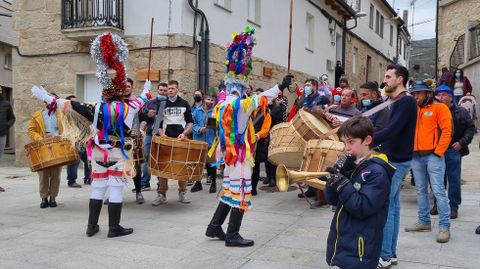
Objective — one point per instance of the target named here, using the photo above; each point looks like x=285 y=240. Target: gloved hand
x=147 y=86
x=287 y=81
x=41 y=94
x=337 y=181
x=345 y=165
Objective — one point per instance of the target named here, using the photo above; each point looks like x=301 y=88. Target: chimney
x=405 y=16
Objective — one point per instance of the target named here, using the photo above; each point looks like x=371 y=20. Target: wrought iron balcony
x=83 y=19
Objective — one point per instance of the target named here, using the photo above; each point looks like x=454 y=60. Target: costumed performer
x=237 y=137
x=106 y=129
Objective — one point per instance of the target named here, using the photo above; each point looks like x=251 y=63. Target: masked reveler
x=237 y=138
x=105 y=128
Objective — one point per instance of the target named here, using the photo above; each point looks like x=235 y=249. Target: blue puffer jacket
x=356 y=232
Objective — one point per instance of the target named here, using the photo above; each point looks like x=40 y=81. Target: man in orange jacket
x=432 y=137
x=46 y=123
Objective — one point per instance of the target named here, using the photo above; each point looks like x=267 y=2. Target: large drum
x=138 y=150
x=172 y=158
x=318 y=155
x=49 y=152
x=310 y=125
x=286 y=146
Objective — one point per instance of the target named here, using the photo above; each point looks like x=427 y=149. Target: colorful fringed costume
x=236 y=139
x=106 y=129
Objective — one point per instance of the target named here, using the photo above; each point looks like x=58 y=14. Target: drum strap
x=159 y=118
x=367 y=114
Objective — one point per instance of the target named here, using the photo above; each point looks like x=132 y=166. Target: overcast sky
x=424 y=11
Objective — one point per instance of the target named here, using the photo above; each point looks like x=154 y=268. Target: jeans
x=146 y=173
x=72 y=168
x=3 y=141
x=457 y=98
x=453 y=164
x=72 y=172
x=391 y=228
x=87 y=170
x=433 y=167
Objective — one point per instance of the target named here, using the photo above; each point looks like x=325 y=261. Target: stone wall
x=452 y=22
x=378 y=64
x=50 y=59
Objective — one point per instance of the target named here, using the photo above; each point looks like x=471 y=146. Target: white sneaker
x=161 y=199
x=182 y=197
x=384 y=263
x=394 y=260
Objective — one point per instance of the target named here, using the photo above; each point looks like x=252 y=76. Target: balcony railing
x=92 y=13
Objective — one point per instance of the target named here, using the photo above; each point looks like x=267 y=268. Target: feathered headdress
x=109 y=51
x=238 y=61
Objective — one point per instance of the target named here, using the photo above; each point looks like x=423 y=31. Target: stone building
x=458 y=38
x=7 y=44
x=54 y=38
x=379 y=38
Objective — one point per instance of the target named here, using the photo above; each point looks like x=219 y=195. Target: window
x=404 y=50
x=380 y=72
x=474 y=43
x=310 y=26
x=372 y=14
x=391 y=35
x=8 y=61
x=254 y=11
x=354 y=60
x=224 y=4
x=400 y=47
x=382 y=21
x=88 y=89
x=377 y=22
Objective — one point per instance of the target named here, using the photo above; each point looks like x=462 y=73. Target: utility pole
x=412 y=4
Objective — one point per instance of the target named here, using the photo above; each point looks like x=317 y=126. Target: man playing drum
x=177 y=123
x=46 y=123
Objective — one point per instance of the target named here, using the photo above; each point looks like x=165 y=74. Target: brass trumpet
x=285 y=178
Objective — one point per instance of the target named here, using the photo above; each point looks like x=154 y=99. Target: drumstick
x=290 y=42
x=290 y=37
x=150 y=50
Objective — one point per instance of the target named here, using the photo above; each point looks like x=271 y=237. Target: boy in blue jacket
x=359 y=186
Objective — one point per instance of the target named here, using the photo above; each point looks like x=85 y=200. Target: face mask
x=457 y=75
x=337 y=98
x=172 y=97
x=197 y=98
x=161 y=97
x=209 y=104
x=366 y=102
x=307 y=91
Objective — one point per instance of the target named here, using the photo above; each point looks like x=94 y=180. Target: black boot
x=212 y=175
x=233 y=238
x=44 y=203
x=214 y=229
x=114 y=214
x=213 y=186
x=52 y=202
x=95 y=206
x=197 y=186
